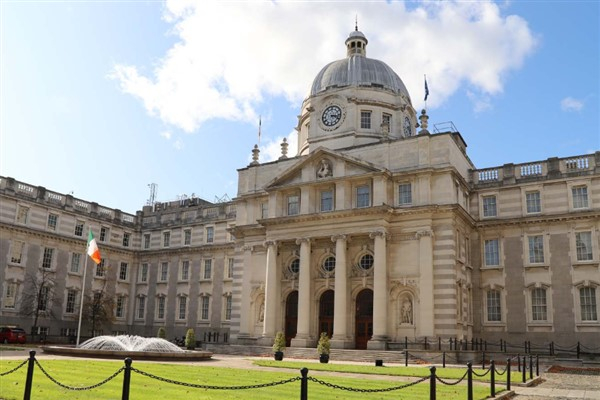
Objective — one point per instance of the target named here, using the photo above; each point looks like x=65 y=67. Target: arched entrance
x=326 y=313
x=364 y=318
x=291 y=317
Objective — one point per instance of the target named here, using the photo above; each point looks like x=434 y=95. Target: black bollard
x=519 y=362
x=304 y=384
x=524 y=369
x=483 y=360
x=406 y=358
x=29 y=381
x=432 y=384
x=537 y=365
x=439 y=344
x=578 y=350
x=530 y=366
x=508 y=373
x=126 y=379
x=469 y=381
x=444 y=359
x=492 y=378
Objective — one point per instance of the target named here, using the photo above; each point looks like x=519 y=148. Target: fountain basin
x=184 y=355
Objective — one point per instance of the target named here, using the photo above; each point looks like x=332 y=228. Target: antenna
x=153 y=187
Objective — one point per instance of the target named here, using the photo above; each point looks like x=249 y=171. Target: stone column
x=303 y=337
x=244 y=305
x=271 y=290
x=340 y=308
x=426 y=325
x=380 y=295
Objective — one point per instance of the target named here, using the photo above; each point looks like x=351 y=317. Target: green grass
x=444 y=373
x=88 y=372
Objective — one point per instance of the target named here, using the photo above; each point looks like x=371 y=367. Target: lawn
x=79 y=373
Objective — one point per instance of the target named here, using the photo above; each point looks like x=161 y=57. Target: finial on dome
x=255 y=153
x=424 y=118
x=284 y=149
x=356 y=23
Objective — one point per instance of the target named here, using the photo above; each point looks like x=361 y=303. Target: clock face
x=331 y=116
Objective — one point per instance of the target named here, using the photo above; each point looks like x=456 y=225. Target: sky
x=102 y=98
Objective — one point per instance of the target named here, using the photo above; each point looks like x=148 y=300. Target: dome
x=358 y=70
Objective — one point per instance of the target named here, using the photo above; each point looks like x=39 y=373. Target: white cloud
x=571 y=104
x=232 y=55
x=166 y=134
x=480 y=102
x=178 y=144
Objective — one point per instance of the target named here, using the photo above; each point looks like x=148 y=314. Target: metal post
x=29 y=381
x=126 y=379
x=537 y=365
x=530 y=366
x=469 y=381
x=439 y=344
x=483 y=360
x=508 y=373
x=444 y=359
x=525 y=347
x=524 y=369
x=304 y=384
x=578 y=350
x=450 y=344
x=473 y=342
x=405 y=342
x=492 y=378
x=406 y=358
x=519 y=362
x=432 y=384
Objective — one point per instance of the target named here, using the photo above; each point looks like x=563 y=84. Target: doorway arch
x=291 y=317
x=326 y=313
x=364 y=318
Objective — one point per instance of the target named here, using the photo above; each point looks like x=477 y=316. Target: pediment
x=323 y=164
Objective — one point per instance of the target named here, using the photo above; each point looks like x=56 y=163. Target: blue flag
x=426 y=89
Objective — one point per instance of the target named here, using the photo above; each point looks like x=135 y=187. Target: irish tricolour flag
x=93 y=248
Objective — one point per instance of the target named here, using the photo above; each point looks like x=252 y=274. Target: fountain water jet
x=130 y=343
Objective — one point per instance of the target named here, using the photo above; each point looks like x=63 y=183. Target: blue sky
x=102 y=98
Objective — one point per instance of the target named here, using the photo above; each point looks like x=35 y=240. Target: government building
x=377 y=230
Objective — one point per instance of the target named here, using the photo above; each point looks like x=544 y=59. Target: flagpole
x=81 y=302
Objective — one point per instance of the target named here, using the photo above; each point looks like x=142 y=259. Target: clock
x=331 y=116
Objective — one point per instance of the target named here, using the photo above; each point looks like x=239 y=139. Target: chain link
x=350 y=389
x=197 y=386
x=481 y=375
x=14 y=369
x=80 y=388
x=503 y=372
x=451 y=383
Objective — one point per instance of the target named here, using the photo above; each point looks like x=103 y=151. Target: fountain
x=122 y=346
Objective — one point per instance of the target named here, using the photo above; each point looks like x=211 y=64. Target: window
x=71 y=297
x=146 y=240
x=230 y=268
x=166 y=239
x=539 y=309
x=494 y=308
x=22 y=215
x=123 y=271
x=103 y=234
x=16 y=252
x=187 y=237
x=43 y=298
x=210 y=234
x=386 y=123
x=583 y=246
x=182 y=307
x=491 y=252
x=534 y=204
x=405 y=194
x=126 y=239
x=207 y=269
x=52 y=221
x=295 y=266
x=264 y=210
x=293 y=205
x=47 y=259
x=164 y=271
x=75 y=262
x=204 y=307
x=79 y=228
x=587 y=299
x=365 y=119
x=329 y=264
x=327 y=200
x=363 y=196
x=143 y=276
x=228 y=303
x=580 y=197
x=100 y=269
x=536 y=249
x=366 y=262
x=489 y=206
x=141 y=307
x=120 y=307
x=160 y=307
x=10 y=295
x=185 y=271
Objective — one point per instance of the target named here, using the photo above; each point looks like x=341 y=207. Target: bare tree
x=98 y=308
x=39 y=297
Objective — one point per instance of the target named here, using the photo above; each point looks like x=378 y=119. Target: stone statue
x=261 y=312
x=406 y=316
x=324 y=169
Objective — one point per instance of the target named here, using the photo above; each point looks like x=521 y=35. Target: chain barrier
x=351 y=389
x=14 y=369
x=590 y=348
x=79 y=388
x=452 y=383
x=198 y=386
x=503 y=372
x=481 y=375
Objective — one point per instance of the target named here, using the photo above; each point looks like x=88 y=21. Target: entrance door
x=291 y=317
x=364 y=318
x=326 y=313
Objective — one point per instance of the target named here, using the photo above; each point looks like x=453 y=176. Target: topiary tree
x=279 y=346
x=190 y=339
x=162 y=332
x=323 y=347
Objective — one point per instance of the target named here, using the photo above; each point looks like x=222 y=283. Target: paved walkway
x=554 y=386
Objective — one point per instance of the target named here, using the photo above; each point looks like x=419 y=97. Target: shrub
x=162 y=332
x=190 y=339
x=279 y=342
x=323 y=346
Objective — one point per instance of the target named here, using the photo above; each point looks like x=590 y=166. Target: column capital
x=335 y=238
x=424 y=233
x=269 y=243
x=247 y=248
x=306 y=240
x=380 y=233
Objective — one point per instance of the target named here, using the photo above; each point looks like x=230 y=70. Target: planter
x=324 y=358
x=278 y=355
